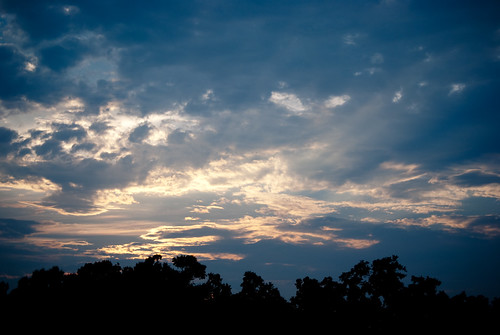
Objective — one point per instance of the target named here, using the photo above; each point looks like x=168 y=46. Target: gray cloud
x=139 y=133
x=6 y=137
x=14 y=229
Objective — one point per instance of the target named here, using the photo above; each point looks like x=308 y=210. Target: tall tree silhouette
x=385 y=282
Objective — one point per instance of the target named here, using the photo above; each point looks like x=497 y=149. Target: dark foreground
x=158 y=296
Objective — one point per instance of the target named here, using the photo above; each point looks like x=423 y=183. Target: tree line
x=369 y=297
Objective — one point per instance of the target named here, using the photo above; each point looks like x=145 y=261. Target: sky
x=289 y=138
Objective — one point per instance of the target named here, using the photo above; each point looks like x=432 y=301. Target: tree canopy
x=370 y=296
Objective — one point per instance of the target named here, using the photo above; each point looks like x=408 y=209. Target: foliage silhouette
x=369 y=297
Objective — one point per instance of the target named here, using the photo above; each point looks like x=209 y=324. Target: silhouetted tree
x=369 y=297
x=42 y=283
x=4 y=288
x=385 y=282
x=355 y=283
x=259 y=304
x=190 y=267
x=256 y=293
x=318 y=298
x=216 y=289
x=253 y=288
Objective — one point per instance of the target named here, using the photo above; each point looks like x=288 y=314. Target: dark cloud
x=19 y=83
x=41 y=20
x=74 y=200
x=14 y=229
x=82 y=147
x=49 y=149
x=6 y=137
x=61 y=56
x=486 y=226
x=99 y=127
x=139 y=133
x=66 y=132
x=14 y=82
x=89 y=173
x=178 y=136
x=480 y=205
x=79 y=181
x=476 y=178
x=176 y=57
x=410 y=189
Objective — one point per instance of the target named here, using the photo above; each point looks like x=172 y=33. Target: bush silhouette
x=368 y=297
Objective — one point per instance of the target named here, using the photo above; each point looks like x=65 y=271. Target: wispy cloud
x=289 y=101
x=335 y=101
x=457 y=88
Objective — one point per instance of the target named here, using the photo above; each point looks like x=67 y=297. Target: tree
x=216 y=289
x=190 y=267
x=99 y=271
x=355 y=282
x=370 y=297
x=423 y=287
x=318 y=298
x=41 y=283
x=259 y=304
x=254 y=288
x=99 y=280
x=385 y=281
x=4 y=288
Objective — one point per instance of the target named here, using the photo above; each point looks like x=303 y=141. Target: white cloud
x=70 y=10
x=208 y=95
x=455 y=222
x=30 y=66
x=289 y=101
x=335 y=101
x=405 y=168
x=397 y=96
x=456 y=88
x=370 y=71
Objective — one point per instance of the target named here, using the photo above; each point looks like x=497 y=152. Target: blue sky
x=289 y=138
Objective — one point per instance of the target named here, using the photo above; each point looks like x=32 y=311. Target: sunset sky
x=289 y=138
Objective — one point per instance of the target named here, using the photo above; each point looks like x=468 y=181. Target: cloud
x=335 y=101
x=7 y=136
x=288 y=101
x=457 y=88
x=397 y=96
x=486 y=226
x=140 y=133
x=65 y=54
x=350 y=39
x=15 y=229
x=208 y=95
x=173 y=239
